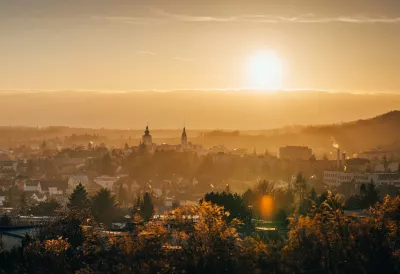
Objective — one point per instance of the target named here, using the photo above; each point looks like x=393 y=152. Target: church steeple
x=147 y=140
x=184 y=133
x=184 y=139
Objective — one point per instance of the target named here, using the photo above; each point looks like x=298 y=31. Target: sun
x=264 y=71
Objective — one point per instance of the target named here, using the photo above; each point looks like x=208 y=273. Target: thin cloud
x=261 y=18
x=146 y=52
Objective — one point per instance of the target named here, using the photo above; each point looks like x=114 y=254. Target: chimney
x=338 y=158
x=344 y=159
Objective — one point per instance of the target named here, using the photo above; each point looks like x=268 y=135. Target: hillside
x=379 y=132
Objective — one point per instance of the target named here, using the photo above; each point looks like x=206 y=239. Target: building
x=38 y=197
x=106 y=181
x=184 y=141
x=147 y=140
x=54 y=187
x=32 y=186
x=295 y=153
x=378 y=154
x=334 y=179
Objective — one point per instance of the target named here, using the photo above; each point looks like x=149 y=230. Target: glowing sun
x=264 y=71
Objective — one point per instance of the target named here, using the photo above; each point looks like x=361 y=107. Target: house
x=22 y=167
x=75 y=180
x=54 y=187
x=2 y=200
x=38 y=197
x=106 y=181
x=32 y=186
x=8 y=166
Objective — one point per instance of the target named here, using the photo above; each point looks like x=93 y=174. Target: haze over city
x=199 y=136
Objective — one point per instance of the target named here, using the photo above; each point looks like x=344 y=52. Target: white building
x=106 y=181
x=32 y=186
x=336 y=178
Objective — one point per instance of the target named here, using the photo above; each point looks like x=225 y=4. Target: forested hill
x=382 y=131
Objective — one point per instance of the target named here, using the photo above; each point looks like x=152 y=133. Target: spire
x=147 y=132
x=184 y=139
x=184 y=133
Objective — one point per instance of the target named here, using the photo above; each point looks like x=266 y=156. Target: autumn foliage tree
x=329 y=240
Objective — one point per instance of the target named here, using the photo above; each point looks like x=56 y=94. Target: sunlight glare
x=264 y=71
x=267 y=206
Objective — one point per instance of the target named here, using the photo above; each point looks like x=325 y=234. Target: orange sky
x=143 y=45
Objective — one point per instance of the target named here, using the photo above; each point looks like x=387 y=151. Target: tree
x=105 y=166
x=347 y=188
x=369 y=195
x=300 y=186
x=232 y=203
x=313 y=195
x=122 y=195
x=22 y=203
x=136 y=206
x=104 y=206
x=31 y=167
x=312 y=198
x=5 y=220
x=328 y=241
x=263 y=188
x=79 y=198
x=47 y=208
x=281 y=217
x=10 y=196
x=146 y=207
x=248 y=197
x=175 y=203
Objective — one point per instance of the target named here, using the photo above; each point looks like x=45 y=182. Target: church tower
x=147 y=140
x=184 y=142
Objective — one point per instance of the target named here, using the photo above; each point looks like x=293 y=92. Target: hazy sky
x=347 y=45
